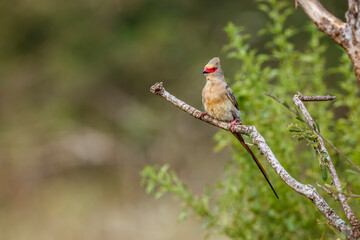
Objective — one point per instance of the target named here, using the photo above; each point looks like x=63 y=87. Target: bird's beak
x=205 y=71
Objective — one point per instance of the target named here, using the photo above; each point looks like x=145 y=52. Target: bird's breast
x=217 y=104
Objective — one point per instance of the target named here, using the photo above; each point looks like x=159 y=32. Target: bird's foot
x=202 y=114
x=233 y=124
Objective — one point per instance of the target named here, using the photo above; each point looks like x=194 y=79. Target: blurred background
x=78 y=122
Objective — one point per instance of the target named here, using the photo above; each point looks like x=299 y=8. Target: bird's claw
x=233 y=124
x=202 y=114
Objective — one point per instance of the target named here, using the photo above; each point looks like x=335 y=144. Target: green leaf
x=316 y=127
x=184 y=214
x=292 y=128
x=324 y=173
x=150 y=187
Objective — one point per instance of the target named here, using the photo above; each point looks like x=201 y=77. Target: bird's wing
x=231 y=96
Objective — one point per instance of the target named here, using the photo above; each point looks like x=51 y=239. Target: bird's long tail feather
x=242 y=141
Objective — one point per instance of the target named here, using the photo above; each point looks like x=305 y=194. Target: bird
x=220 y=103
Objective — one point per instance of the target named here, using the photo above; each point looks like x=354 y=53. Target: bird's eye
x=214 y=69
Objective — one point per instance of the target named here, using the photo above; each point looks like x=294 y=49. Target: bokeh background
x=78 y=122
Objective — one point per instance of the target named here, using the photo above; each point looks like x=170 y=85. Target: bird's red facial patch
x=210 y=70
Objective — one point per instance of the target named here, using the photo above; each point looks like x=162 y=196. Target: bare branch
x=316 y=98
x=349 y=214
x=305 y=190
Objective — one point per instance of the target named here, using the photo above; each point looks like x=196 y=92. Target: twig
x=351 y=195
x=338 y=151
x=333 y=190
x=316 y=98
x=328 y=191
x=314 y=129
x=343 y=200
x=283 y=103
x=305 y=190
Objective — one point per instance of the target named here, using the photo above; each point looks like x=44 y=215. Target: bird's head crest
x=212 y=65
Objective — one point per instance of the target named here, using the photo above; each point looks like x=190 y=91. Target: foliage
x=241 y=205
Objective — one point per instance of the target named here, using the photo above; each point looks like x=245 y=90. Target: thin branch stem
x=317 y=98
x=339 y=152
x=328 y=191
x=351 y=195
